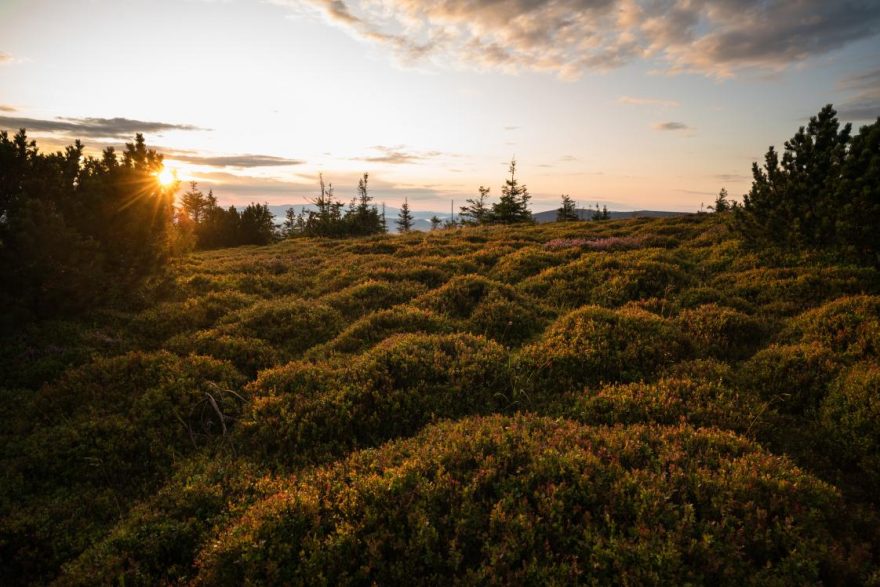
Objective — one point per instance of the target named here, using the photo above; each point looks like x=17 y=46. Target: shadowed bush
x=157 y=541
x=248 y=354
x=292 y=324
x=723 y=333
x=792 y=378
x=534 y=501
x=593 y=345
x=378 y=326
x=850 y=416
x=849 y=325
x=303 y=413
x=165 y=320
x=105 y=434
x=670 y=401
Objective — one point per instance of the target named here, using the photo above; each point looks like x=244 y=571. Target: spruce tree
x=568 y=211
x=476 y=211
x=404 y=218
x=513 y=206
x=436 y=222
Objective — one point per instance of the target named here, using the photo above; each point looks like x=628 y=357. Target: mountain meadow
x=692 y=399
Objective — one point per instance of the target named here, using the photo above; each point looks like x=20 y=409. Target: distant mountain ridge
x=587 y=214
x=422 y=218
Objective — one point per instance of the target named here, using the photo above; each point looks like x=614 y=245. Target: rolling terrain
x=634 y=401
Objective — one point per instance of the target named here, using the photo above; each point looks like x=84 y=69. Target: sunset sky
x=652 y=104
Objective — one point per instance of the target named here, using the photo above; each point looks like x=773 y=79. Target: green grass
x=639 y=402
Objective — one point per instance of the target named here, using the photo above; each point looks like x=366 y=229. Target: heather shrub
x=486 y=307
x=364 y=298
x=849 y=325
x=524 y=263
x=392 y=390
x=671 y=401
x=163 y=321
x=712 y=370
x=850 y=416
x=606 y=279
x=787 y=291
x=699 y=296
x=723 y=333
x=377 y=326
x=157 y=541
x=292 y=324
x=103 y=435
x=248 y=354
x=593 y=345
x=533 y=501
x=793 y=379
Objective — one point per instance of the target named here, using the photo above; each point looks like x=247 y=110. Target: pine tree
x=568 y=211
x=291 y=221
x=605 y=214
x=513 y=206
x=436 y=222
x=476 y=211
x=404 y=218
x=597 y=214
x=722 y=204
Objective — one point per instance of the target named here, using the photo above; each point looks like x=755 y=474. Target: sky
x=634 y=104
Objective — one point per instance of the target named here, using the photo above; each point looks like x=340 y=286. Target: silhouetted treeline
x=75 y=229
x=332 y=219
x=824 y=192
x=208 y=226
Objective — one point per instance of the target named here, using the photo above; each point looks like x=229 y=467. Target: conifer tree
x=404 y=218
x=568 y=211
x=722 y=204
x=476 y=211
x=513 y=206
x=436 y=222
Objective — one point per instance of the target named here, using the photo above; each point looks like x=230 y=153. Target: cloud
x=670 y=126
x=569 y=37
x=647 y=102
x=6 y=58
x=398 y=155
x=7 y=108
x=732 y=177
x=864 y=100
x=245 y=160
x=96 y=128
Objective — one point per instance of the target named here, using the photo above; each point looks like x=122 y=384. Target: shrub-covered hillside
x=616 y=402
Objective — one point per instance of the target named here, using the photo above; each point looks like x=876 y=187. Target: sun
x=166 y=177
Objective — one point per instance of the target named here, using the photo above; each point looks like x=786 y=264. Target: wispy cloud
x=569 y=37
x=864 y=101
x=398 y=155
x=647 y=102
x=664 y=126
x=7 y=108
x=6 y=58
x=96 y=128
x=244 y=160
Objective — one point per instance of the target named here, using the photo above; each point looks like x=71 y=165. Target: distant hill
x=586 y=214
x=422 y=218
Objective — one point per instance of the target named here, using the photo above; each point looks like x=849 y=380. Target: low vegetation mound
x=302 y=413
x=535 y=501
x=849 y=325
x=594 y=345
